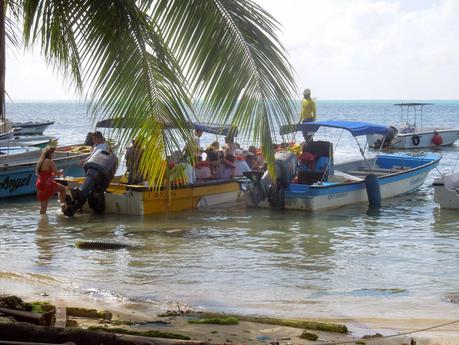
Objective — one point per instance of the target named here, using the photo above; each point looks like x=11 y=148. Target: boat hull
x=410 y=140
x=17 y=172
x=32 y=128
x=139 y=200
x=334 y=195
x=446 y=191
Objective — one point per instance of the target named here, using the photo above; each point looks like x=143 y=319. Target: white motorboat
x=446 y=191
x=31 y=127
x=411 y=134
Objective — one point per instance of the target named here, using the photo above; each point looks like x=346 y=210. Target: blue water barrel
x=373 y=190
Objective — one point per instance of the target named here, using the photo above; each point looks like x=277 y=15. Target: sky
x=340 y=49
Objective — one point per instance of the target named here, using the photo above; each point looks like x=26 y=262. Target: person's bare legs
x=62 y=191
x=43 y=206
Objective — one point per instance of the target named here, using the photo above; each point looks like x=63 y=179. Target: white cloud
x=356 y=49
x=372 y=49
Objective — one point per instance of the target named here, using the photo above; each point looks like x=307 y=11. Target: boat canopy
x=356 y=128
x=205 y=127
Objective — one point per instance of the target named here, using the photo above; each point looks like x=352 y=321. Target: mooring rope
x=392 y=335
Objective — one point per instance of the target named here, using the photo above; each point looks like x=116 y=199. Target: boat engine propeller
x=100 y=169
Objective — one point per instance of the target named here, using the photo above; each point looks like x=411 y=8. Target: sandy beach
x=142 y=317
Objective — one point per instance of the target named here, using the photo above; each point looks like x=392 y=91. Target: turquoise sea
x=347 y=263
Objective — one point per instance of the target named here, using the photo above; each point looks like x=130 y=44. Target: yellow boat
x=127 y=199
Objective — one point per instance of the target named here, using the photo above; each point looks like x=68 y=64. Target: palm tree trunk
x=2 y=63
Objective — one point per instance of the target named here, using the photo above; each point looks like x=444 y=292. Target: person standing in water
x=308 y=107
x=46 y=186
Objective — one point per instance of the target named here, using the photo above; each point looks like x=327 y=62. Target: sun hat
x=247 y=153
x=307 y=92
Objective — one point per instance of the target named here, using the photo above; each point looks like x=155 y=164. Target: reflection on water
x=399 y=260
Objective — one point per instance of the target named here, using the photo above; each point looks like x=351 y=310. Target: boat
x=30 y=140
x=140 y=199
x=31 y=127
x=17 y=171
x=411 y=134
x=356 y=181
x=446 y=191
x=6 y=135
x=13 y=150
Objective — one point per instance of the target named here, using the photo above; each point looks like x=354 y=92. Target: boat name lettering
x=12 y=184
x=337 y=195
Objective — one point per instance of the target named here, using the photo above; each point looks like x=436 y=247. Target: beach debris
x=44 y=294
x=309 y=336
x=150 y=333
x=311 y=325
x=89 y=313
x=370 y=336
x=25 y=332
x=216 y=321
x=412 y=342
x=43 y=319
x=61 y=314
x=263 y=338
x=101 y=245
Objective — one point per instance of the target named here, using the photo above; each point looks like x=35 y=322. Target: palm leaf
x=235 y=63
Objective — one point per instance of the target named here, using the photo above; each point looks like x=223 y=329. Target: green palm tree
x=148 y=63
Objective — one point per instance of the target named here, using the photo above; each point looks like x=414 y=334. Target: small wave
x=33 y=277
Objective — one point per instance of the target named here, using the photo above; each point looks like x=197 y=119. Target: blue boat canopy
x=356 y=128
x=205 y=127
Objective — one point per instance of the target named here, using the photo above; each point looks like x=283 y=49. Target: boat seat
x=319 y=149
x=368 y=172
x=388 y=171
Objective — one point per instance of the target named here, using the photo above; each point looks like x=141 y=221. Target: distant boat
x=17 y=171
x=31 y=140
x=411 y=134
x=336 y=185
x=12 y=150
x=31 y=127
x=7 y=135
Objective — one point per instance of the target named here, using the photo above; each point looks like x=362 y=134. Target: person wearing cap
x=308 y=107
x=240 y=163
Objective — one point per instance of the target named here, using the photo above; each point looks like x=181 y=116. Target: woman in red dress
x=46 y=186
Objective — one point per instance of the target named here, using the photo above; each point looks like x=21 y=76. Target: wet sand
x=145 y=317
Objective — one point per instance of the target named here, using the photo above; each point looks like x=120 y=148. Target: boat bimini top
x=204 y=127
x=356 y=128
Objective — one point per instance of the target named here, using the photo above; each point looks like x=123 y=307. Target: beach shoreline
x=142 y=316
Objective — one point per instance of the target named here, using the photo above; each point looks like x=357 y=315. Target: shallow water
x=351 y=262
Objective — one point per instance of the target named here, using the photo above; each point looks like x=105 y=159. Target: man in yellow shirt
x=308 y=107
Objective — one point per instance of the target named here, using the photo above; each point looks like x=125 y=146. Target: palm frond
x=234 y=62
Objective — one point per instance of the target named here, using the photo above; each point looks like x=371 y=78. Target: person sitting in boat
x=202 y=170
x=306 y=159
x=214 y=156
x=240 y=163
x=46 y=186
x=230 y=146
x=133 y=155
x=227 y=169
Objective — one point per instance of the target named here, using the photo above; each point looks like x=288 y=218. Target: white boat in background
x=30 y=140
x=411 y=134
x=446 y=191
x=31 y=127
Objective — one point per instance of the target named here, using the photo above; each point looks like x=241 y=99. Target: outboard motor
x=100 y=169
x=286 y=166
